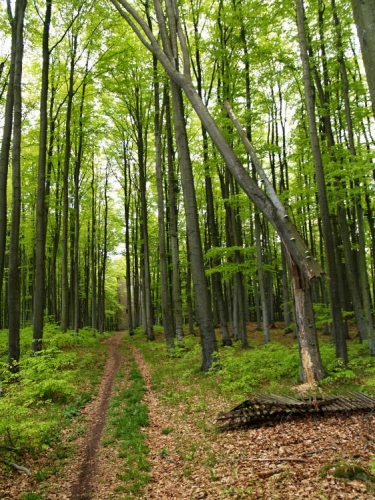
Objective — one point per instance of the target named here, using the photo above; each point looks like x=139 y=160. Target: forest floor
x=191 y=459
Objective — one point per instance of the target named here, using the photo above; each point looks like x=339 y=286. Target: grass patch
x=127 y=418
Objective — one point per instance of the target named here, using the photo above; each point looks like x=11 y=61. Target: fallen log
x=269 y=409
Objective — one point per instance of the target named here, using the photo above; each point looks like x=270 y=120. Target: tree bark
x=14 y=249
x=127 y=185
x=337 y=321
x=4 y=159
x=65 y=200
x=140 y=130
x=165 y=303
x=364 y=17
x=173 y=225
x=40 y=250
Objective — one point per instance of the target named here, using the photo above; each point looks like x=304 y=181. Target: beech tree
x=14 y=293
x=302 y=267
x=40 y=250
x=5 y=154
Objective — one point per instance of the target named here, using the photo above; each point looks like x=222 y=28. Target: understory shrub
x=33 y=402
x=257 y=369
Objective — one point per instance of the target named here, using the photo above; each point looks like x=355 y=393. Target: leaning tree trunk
x=14 y=249
x=288 y=233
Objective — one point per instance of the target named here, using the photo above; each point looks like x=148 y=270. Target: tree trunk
x=103 y=260
x=311 y=366
x=94 y=259
x=202 y=298
x=266 y=330
x=173 y=226
x=77 y=174
x=65 y=207
x=363 y=308
x=40 y=250
x=4 y=159
x=127 y=199
x=14 y=249
x=165 y=303
x=140 y=130
x=364 y=17
x=337 y=321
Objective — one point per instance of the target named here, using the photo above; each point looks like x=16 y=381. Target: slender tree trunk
x=202 y=296
x=94 y=260
x=4 y=159
x=40 y=250
x=77 y=173
x=136 y=283
x=103 y=260
x=216 y=277
x=65 y=208
x=165 y=303
x=173 y=225
x=14 y=249
x=337 y=321
x=262 y=289
x=140 y=129
x=127 y=197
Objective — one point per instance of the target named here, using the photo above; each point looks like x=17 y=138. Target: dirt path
x=83 y=470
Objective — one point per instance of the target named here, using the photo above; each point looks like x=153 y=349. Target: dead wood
x=269 y=409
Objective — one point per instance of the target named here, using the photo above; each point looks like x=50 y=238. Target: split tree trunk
x=299 y=254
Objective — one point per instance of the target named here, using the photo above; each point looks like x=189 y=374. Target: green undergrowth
x=127 y=418
x=238 y=373
x=50 y=389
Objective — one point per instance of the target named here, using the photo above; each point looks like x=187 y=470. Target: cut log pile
x=268 y=409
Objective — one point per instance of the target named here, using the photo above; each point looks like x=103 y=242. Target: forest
x=211 y=161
